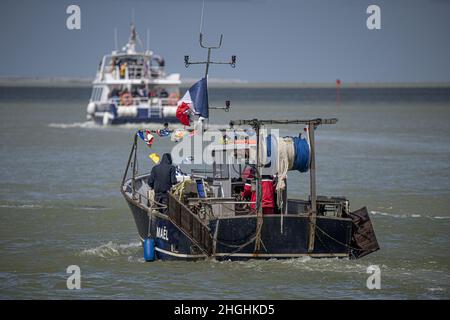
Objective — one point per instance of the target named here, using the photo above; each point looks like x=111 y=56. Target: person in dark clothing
x=162 y=178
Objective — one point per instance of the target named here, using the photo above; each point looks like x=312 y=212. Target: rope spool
x=293 y=154
x=286 y=156
x=301 y=150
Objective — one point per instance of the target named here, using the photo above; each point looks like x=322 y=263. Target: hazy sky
x=292 y=41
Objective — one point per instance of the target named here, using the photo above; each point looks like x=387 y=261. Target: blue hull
x=232 y=237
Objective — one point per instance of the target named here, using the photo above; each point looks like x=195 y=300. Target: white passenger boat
x=132 y=87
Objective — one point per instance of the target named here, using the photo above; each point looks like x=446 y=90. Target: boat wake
x=33 y=206
x=23 y=206
x=112 y=249
x=303 y=263
x=405 y=216
x=126 y=126
x=84 y=125
x=395 y=215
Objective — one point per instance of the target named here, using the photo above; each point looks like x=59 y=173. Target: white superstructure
x=132 y=86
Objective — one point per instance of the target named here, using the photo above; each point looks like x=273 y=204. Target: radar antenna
x=208 y=61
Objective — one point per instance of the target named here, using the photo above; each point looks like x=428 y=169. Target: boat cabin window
x=221 y=171
x=127 y=66
x=96 y=94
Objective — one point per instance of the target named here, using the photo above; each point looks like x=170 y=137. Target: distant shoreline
x=64 y=82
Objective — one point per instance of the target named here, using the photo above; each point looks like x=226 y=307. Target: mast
x=208 y=61
x=312 y=188
x=131 y=46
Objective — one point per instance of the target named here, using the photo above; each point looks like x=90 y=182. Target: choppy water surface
x=60 y=202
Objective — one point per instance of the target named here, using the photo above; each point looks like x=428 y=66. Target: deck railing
x=190 y=224
x=136 y=101
x=132 y=72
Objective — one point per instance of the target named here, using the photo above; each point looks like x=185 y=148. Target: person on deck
x=123 y=70
x=162 y=178
x=247 y=175
x=163 y=93
x=267 y=194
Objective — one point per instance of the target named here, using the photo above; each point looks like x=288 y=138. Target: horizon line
x=64 y=81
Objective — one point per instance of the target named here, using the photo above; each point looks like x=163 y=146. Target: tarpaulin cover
x=363 y=236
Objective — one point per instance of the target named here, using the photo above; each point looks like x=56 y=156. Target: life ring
x=126 y=99
x=173 y=98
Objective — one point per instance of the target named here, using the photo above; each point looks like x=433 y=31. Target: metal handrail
x=132 y=71
x=158 y=204
x=154 y=101
x=211 y=200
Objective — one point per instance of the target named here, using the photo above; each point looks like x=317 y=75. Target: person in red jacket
x=267 y=194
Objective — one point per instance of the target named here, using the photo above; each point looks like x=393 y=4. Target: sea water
x=60 y=201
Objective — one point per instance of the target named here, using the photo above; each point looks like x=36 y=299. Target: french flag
x=197 y=100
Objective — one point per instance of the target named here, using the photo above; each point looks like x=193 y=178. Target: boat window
x=99 y=94
x=96 y=94
x=221 y=170
x=93 y=94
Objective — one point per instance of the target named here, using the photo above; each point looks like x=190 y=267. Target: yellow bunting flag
x=155 y=157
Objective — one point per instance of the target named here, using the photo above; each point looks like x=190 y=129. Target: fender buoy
x=126 y=99
x=149 y=249
x=107 y=118
x=173 y=98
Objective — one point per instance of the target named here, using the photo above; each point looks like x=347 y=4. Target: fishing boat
x=238 y=206
x=133 y=87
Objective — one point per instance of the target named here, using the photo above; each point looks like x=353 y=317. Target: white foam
x=111 y=249
x=414 y=215
x=40 y=206
x=86 y=124
x=150 y=126
x=395 y=215
x=306 y=263
x=93 y=125
x=23 y=206
x=90 y=208
x=134 y=259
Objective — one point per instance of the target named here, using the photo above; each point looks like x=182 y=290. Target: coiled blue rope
x=301 y=160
